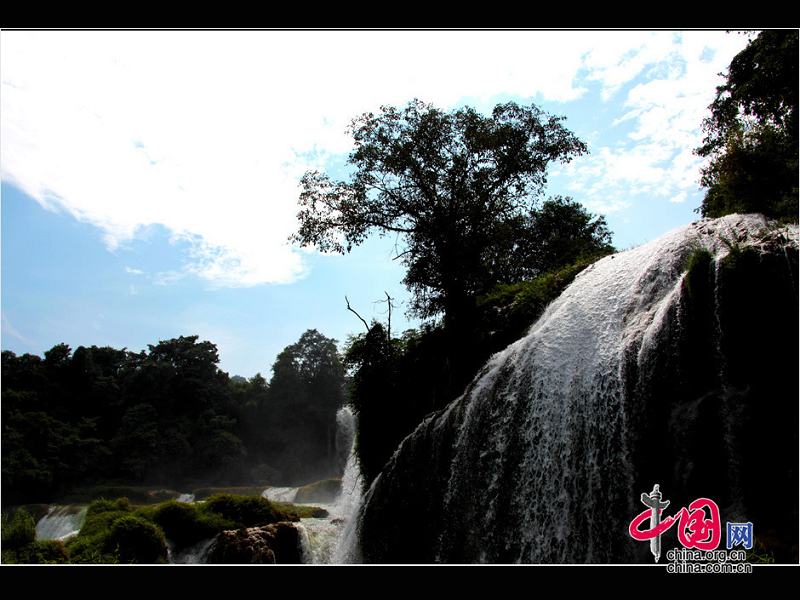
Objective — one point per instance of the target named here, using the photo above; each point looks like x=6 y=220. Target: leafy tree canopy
x=751 y=133
x=456 y=187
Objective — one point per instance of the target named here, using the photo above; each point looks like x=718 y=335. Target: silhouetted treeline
x=165 y=416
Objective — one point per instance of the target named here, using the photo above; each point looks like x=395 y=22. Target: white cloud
x=207 y=133
x=679 y=73
x=132 y=271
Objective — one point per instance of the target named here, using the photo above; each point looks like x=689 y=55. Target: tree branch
x=389 y=324
x=355 y=313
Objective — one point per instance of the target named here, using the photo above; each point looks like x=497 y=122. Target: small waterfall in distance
x=329 y=540
x=61 y=522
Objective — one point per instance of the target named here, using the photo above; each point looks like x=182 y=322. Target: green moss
x=203 y=493
x=89 y=546
x=187 y=524
x=102 y=505
x=293 y=512
x=116 y=532
x=135 y=540
x=45 y=552
x=698 y=271
x=89 y=550
x=508 y=311
x=245 y=511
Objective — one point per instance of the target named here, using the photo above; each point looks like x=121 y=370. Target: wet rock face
x=278 y=543
x=652 y=367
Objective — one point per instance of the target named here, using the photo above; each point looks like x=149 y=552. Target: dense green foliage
x=20 y=545
x=460 y=191
x=397 y=382
x=18 y=530
x=751 y=134
x=306 y=390
x=168 y=417
x=185 y=525
x=132 y=539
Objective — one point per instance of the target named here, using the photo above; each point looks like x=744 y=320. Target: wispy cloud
x=9 y=329
x=679 y=73
x=167 y=277
x=132 y=271
x=207 y=133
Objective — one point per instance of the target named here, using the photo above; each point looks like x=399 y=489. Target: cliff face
x=673 y=363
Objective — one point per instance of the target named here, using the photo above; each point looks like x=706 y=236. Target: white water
x=543 y=440
x=280 y=494
x=186 y=498
x=193 y=555
x=327 y=540
x=61 y=523
x=558 y=396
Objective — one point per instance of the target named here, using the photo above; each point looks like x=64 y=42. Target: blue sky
x=149 y=179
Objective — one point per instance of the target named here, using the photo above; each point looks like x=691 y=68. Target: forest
x=167 y=416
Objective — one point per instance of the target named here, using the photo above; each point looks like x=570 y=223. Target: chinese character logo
x=699 y=525
x=740 y=534
x=656 y=507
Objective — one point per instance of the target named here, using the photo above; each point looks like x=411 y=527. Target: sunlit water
x=61 y=523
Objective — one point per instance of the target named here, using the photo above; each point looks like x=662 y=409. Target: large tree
x=751 y=133
x=451 y=185
x=306 y=390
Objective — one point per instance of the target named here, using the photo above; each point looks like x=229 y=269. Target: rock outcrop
x=278 y=543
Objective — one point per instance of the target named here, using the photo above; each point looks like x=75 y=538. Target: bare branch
x=389 y=324
x=355 y=313
x=401 y=254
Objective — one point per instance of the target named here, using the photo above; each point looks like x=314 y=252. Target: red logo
x=696 y=527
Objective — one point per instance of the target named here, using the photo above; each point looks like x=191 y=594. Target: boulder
x=278 y=543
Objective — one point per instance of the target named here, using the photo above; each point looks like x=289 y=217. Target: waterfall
x=193 y=555
x=346 y=549
x=331 y=539
x=539 y=460
x=61 y=522
x=345 y=434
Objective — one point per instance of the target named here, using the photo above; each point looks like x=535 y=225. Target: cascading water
x=542 y=459
x=328 y=540
x=345 y=435
x=196 y=554
x=61 y=523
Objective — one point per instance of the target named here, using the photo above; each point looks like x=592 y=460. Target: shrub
x=88 y=550
x=18 y=530
x=135 y=540
x=44 y=552
x=102 y=505
x=186 y=524
x=244 y=511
